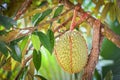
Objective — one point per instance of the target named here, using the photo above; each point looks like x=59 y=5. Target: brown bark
x=94 y=54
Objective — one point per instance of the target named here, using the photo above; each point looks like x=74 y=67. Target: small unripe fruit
x=71 y=51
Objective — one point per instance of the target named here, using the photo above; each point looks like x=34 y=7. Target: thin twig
x=23 y=8
x=63 y=24
x=23 y=65
x=61 y=33
x=26 y=60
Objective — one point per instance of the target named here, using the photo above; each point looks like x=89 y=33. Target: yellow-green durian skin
x=71 y=51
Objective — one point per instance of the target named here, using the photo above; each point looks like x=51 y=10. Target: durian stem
x=82 y=18
x=73 y=24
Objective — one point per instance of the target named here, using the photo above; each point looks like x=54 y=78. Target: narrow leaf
x=3 y=48
x=39 y=17
x=118 y=13
x=50 y=35
x=44 y=14
x=32 y=68
x=105 y=11
x=35 y=41
x=42 y=3
x=7 y=22
x=58 y=11
x=23 y=73
x=45 y=41
x=37 y=59
x=97 y=75
x=97 y=8
x=23 y=43
x=35 y=18
x=112 y=12
x=15 y=52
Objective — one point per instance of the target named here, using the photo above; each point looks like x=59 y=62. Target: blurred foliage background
x=33 y=35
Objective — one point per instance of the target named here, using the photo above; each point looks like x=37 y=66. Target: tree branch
x=105 y=31
x=94 y=54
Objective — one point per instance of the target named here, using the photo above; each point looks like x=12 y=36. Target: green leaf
x=45 y=41
x=105 y=11
x=112 y=13
x=37 y=59
x=42 y=3
x=97 y=7
x=20 y=38
x=58 y=11
x=23 y=43
x=40 y=16
x=109 y=76
x=3 y=48
x=35 y=18
x=118 y=13
x=40 y=77
x=15 y=52
x=35 y=41
x=7 y=22
x=97 y=75
x=50 y=35
x=2 y=32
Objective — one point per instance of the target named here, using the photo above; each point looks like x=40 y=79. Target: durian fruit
x=71 y=51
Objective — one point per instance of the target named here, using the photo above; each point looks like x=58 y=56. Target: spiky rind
x=71 y=51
